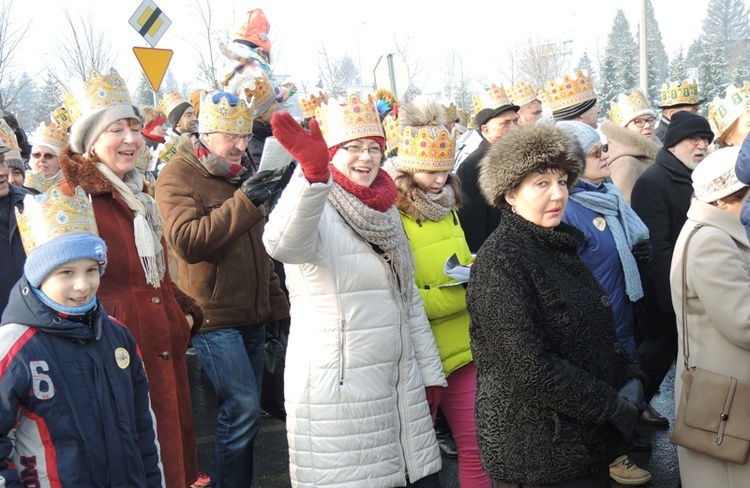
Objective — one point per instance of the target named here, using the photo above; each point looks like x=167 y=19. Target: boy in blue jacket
x=74 y=404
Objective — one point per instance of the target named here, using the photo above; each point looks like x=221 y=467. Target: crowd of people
x=520 y=270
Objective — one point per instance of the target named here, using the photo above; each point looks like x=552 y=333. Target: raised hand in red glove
x=434 y=395
x=309 y=149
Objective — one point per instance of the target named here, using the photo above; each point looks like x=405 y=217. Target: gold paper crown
x=308 y=105
x=494 y=97
x=392 y=129
x=50 y=135
x=8 y=139
x=627 y=107
x=143 y=159
x=54 y=214
x=170 y=100
x=169 y=150
x=100 y=91
x=419 y=150
x=522 y=93
x=66 y=115
x=569 y=91
x=258 y=92
x=223 y=117
x=450 y=112
x=683 y=93
x=725 y=110
x=37 y=182
x=341 y=122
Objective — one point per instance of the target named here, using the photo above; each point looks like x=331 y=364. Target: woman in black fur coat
x=557 y=395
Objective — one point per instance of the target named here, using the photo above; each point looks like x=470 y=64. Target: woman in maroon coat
x=137 y=290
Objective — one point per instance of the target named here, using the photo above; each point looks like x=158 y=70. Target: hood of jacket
x=25 y=308
x=624 y=142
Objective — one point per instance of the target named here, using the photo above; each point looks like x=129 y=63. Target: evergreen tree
x=23 y=102
x=723 y=44
x=585 y=63
x=678 y=67
x=47 y=100
x=619 y=70
x=656 y=56
x=144 y=94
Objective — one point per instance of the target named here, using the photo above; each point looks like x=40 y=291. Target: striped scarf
x=236 y=173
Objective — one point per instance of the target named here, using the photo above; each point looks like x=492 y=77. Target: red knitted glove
x=434 y=395
x=309 y=149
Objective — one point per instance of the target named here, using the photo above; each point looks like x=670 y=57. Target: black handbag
x=272 y=392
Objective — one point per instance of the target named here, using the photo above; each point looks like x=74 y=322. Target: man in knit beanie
x=180 y=113
x=661 y=198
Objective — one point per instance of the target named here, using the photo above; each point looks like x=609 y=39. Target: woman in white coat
x=362 y=369
x=718 y=299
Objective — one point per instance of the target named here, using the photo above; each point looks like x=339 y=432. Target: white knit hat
x=714 y=178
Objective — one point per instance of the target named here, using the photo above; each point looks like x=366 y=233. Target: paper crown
x=308 y=105
x=626 y=107
x=53 y=214
x=683 y=93
x=62 y=118
x=8 y=139
x=258 y=91
x=426 y=148
x=569 y=91
x=522 y=93
x=451 y=113
x=392 y=128
x=99 y=91
x=494 y=97
x=170 y=100
x=50 y=135
x=723 y=111
x=37 y=182
x=169 y=150
x=223 y=117
x=353 y=119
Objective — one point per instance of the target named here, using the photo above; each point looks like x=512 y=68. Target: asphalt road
x=272 y=460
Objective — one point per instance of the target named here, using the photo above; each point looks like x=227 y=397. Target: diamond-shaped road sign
x=150 y=22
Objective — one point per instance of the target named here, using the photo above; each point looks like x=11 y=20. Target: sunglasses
x=47 y=156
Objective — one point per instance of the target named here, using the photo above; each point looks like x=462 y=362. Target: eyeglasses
x=597 y=153
x=695 y=140
x=233 y=138
x=641 y=122
x=375 y=152
x=47 y=156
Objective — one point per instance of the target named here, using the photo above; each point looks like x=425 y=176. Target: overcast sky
x=365 y=30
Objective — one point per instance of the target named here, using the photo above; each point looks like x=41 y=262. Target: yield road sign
x=154 y=63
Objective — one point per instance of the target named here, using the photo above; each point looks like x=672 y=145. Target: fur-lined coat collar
x=78 y=171
x=624 y=142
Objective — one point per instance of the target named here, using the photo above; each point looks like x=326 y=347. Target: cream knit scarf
x=147 y=223
x=384 y=230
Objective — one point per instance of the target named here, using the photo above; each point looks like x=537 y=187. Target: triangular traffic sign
x=154 y=63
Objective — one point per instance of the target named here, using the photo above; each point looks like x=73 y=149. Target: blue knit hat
x=51 y=255
x=586 y=135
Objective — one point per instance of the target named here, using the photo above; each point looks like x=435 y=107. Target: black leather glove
x=642 y=250
x=262 y=185
x=632 y=391
x=624 y=418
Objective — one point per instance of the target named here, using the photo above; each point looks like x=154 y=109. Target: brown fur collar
x=80 y=171
x=624 y=142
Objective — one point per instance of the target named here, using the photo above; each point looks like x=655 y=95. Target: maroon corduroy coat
x=155 y=317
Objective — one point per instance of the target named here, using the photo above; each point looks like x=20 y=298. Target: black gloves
x=263 y=185
x=627 y=412
x=642 y=250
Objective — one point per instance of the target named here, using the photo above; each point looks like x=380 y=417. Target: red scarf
x=380 y=196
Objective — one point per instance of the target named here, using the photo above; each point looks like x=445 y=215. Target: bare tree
x=509 y=70
x=207 y=50
x=541 y=60
x=81 y=47
x=457 y=85
x=336 y=75
x=415 y=66
x=11 y=35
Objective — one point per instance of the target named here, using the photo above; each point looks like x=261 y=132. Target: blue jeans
x=233 y=359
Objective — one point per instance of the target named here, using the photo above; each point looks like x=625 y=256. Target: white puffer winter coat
x=356 y=368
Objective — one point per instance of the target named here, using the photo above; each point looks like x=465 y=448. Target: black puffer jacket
x=549 y=365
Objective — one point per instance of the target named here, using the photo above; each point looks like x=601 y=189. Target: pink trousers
x=457 y=404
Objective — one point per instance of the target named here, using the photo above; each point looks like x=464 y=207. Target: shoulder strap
x=685 y=343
